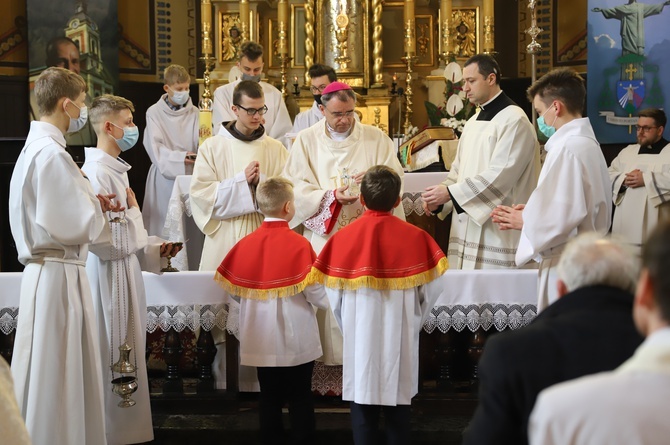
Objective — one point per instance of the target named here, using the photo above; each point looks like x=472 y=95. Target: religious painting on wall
x=76 y=35
x=569 y=33
x=628 y=67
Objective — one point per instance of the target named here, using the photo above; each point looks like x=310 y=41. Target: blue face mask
x=547 y=130
x=77 y=123
x=129 y=139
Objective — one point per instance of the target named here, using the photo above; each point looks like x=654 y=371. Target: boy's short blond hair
x=272 y=194
x=175 y=74
x=106 y=107
x=54 y=84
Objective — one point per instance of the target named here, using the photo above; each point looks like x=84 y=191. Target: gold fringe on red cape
x=372 y=282
x=263 y=294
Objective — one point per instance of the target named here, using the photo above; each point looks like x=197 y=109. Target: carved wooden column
x=205 y=352
x=172 y=350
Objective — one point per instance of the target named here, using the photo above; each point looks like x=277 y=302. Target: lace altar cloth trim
x=476 y=316
x=8 y=319
x=458 y=317
x=411 y=203
x=187 y=317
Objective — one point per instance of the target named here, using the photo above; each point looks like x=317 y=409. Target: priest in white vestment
x=171 y=141
x=640 y=177
x=497 y=163
x=628 y=405
x=573 y=192
x=277 y=121
x=115 y=269
x=326 y=164
x=227 y=170
x=382 y=277
x=54 y=215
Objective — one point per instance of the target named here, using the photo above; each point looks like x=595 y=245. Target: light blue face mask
x=547 y=130
x=129 y=139
x=77 y=123
x=179 y=97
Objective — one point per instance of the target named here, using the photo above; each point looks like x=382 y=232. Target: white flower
x=454 y=105
x=453 y=72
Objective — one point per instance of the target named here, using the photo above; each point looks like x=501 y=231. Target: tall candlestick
x=410 y=40
x=282 y=12
x=488 y=8
x=408 y=12
x=206 y=11
x=206 y=24
x=445 y=10
x=446 y=48
x=489 y=28
x=244 y=19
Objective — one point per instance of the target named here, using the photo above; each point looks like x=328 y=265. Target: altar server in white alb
x=171 y=140
x=382 y=277
x=630 y=404
x=115 y=268
x=320 y=76
x=277 y=326
x=227 y=170
x=497 y=162
x=277 y=121
x=573 y=192
x=640 y=177
x=54 y=215
x=326 y=164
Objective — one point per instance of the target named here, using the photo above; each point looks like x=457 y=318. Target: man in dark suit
x=589 y=329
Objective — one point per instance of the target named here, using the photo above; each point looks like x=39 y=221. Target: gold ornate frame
x=466 y=41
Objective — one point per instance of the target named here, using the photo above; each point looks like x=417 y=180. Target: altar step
x=433 y=422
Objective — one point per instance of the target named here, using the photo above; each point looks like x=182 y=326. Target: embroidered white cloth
x=191 y=300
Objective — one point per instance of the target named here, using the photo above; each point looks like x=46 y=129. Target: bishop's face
x=339 y=114
x=648 y=132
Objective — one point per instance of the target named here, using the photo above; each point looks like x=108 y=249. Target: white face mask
x=179 y=97
x=77 y=124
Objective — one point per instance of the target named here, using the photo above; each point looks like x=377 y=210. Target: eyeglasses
x=340 y=114
x=317 y=90
x=253 y=111
x=644 y=128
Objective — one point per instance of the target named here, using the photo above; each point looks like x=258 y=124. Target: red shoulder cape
x=271 y=262
x=379 y=251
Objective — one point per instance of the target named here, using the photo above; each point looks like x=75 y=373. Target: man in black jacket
x=589 y=329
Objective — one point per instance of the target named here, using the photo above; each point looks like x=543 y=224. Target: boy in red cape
x=277 y=324
x=382 y=276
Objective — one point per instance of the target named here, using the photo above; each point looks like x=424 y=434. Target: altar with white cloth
x=476 y=300
x=180 y=227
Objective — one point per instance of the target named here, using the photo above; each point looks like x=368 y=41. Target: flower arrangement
x=457 y=109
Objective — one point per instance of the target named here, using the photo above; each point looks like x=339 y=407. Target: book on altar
x=422 y=140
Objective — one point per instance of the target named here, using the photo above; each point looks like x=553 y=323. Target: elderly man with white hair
x=587 y=330
x=627 y=405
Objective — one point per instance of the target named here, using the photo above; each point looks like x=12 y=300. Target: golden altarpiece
x=338 y=35
x=350 y=36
